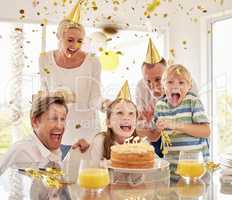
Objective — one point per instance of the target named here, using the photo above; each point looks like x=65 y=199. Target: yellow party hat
x=152 y=56
x=75 y=14
x=124 y=92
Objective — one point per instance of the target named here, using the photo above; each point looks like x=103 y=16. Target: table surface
x=208 y=187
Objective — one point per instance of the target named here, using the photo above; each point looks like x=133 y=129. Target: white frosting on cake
x=132 y=148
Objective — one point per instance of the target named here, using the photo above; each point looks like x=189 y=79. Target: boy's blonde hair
x=179 y=70
x=67 y=24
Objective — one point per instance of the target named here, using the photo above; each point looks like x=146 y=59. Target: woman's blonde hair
x=176 y=69
x=67 y=24
x=109 y=134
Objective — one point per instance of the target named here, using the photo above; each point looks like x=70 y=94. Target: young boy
x=181 y=114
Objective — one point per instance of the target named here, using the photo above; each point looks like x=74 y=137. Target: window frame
x=207 y=43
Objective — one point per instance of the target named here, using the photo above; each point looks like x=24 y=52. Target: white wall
x=182 y=29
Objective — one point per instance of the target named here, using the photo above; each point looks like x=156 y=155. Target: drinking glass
x=191 y=165
x=93 y=176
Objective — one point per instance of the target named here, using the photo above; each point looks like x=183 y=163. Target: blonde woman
x=70 y=71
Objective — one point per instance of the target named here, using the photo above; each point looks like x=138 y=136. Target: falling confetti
x=152 y=6
x=184 y=43
x=18 y=29
x=110 y=29
x=35 y=3
x=94 y=5
x=119 y=53
x=172 y=52
x=201 y=8
x=116 y=2
x=21 y=11
x=46 y=70
x=63 y=2
x=78 y=126
x=22 y=14
x=165 y=15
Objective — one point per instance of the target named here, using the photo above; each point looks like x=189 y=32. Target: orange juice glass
x=191 y=165
x=92 y=176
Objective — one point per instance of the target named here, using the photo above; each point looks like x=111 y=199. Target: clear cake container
x=158 y=175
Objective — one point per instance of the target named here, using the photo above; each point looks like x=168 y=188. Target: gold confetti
x=211 y=166
x=21 y=11
x=54 y=171
x=94 y=8
x=18 y=29
x=78 y=126
x=165 y=15
x=115 y=2
x=172 y=52
x=199 y=7
x=166 y=142
x=152 y=6
x=119 y=53
x=46 y=70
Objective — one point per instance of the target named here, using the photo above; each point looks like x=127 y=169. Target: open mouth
x=70 y=52
x=125 y=127
x=175 y=98
x=56 y=136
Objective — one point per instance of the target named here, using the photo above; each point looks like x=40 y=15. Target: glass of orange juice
x=191 y=165
x=92 y=176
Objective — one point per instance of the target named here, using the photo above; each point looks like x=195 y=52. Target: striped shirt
x=190 y=111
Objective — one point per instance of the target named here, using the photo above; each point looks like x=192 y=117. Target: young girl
x=121 y=118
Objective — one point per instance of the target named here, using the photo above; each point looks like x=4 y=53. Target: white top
x=144 y=96
x=84 y=82
x=96 y=148
x=29 y=150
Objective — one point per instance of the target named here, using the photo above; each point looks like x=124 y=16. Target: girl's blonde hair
x=67 y=24
x=109 y=138
x=176 y=69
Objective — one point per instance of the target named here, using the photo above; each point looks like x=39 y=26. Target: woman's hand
x=82 y=144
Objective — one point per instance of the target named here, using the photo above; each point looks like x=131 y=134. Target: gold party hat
x=75 y=14
x=124 y=92
x=152 y=56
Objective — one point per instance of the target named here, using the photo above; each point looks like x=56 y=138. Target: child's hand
x=166 y=124
x=82 y=144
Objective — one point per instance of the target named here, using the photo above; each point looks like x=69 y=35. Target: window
x=5 y=29
x=221 y=84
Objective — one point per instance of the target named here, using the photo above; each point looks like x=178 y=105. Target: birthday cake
x=132 y=155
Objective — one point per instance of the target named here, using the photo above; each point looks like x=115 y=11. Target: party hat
x=152 y=56
x=75 y=14
x=124 y=92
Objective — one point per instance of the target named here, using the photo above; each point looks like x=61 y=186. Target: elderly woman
x=75 y=74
